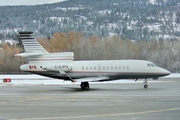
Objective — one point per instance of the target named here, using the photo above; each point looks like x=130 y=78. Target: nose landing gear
x=145 y=83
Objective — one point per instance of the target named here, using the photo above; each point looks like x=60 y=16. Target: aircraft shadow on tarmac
x=70 y=89
x=58 y=89
x=107 y=89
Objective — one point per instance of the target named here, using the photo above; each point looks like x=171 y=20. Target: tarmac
x=112 y=101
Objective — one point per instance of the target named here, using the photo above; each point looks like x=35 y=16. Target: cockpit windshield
x=151 y=65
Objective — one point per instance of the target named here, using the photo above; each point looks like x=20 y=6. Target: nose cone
x=165 y=72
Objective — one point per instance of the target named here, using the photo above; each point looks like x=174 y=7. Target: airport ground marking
x=102 y=115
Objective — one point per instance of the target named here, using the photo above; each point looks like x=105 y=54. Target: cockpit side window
x=151 y=65
x=154 y=65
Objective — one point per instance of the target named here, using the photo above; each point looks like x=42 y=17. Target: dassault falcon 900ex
x=62 y=66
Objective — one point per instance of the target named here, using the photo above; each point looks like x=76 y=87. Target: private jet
x=63 y=66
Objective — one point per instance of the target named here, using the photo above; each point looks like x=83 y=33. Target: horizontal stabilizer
x=28 y=54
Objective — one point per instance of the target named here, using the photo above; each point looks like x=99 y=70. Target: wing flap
x=92 y=79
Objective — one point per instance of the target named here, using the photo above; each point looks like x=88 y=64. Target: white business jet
x=62 y=66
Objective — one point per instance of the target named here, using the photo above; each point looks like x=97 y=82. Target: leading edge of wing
x=92 y=79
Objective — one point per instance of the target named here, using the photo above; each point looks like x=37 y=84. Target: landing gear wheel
x=86 y=88
x=146 y=86
x=84 y=85
x=145 y=83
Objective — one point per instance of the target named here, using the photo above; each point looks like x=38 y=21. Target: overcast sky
x=26 y=2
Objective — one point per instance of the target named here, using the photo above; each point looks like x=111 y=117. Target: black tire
x=145 y=86
x=84 y=86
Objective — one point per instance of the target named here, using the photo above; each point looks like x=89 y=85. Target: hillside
x=146 y=20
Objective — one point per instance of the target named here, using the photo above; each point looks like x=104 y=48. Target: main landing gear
x=84 y=86
x=145 y=83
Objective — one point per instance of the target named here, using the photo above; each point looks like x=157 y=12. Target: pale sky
x=27 y=2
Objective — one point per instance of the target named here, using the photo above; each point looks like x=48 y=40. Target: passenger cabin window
x=82 y=68
x=103 y=68
x=90 y=68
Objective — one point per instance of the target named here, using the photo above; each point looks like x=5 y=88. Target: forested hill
x=146 y=20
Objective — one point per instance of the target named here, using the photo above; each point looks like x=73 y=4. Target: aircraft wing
x=88 y=79
x=92 y=79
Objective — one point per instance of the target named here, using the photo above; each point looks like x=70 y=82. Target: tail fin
x=31 y=46
x=36 y=53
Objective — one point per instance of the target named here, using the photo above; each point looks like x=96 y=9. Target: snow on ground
x=28 y=80
x=173 y=75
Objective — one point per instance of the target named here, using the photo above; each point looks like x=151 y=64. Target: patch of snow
x=69 y=8
x=11 y=42
x=28 y=80
x=59 y=19
x=113 y=34
x=153 y=2
x=173 y=75
x=104 y=12
x=115 y=4
x=114 y=25
x=89 y=23
x=154 y=27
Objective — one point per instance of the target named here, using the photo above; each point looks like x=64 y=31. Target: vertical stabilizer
x=36 y=53
x=31 y=46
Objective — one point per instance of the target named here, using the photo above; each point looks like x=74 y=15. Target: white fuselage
x=62 y=66
x=115 y=69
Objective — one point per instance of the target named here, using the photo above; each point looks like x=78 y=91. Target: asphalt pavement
x=112 y=101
